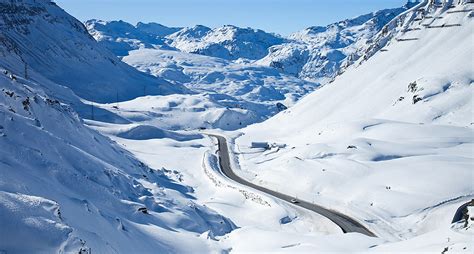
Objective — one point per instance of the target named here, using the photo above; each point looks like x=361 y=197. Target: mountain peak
x=156 y=29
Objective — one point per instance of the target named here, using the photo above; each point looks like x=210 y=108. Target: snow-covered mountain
x=317 y=53
x=156 y=29
x=228 y=42
x=390 y=141
x=213 y=62
x=121 y=37
x=49 y=41
x=251 y=93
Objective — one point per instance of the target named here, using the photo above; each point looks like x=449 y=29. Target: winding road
x=346 y=223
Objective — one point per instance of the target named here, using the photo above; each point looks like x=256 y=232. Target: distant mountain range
x=315 y=54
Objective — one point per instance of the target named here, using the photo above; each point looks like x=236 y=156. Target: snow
x=255 y=240
x=352 y=144
x=318 y=53
x=227 y=42
x=239 y=86
x=48 y=154
x=236 y=93
x=32 y=218
x=178 y=112
x=249 y=210
x=389 y=142
x=35 y=32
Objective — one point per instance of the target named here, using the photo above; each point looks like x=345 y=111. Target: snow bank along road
x=346 y=223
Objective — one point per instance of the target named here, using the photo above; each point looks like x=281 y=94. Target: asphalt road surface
x=346 y=223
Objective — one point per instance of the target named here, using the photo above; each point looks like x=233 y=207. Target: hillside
x=65 y=187
x=317 y=53
x=390 y=140
x=259 y=92
x=57 y=46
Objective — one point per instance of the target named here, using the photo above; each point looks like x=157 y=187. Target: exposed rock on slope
x=317 y=53
x=228 y=42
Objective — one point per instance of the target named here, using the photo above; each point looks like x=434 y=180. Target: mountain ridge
x=47 y=40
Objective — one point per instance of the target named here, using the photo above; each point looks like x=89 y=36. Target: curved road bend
x=346 y=223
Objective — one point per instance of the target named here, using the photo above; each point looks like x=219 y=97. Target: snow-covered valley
x=105 y=127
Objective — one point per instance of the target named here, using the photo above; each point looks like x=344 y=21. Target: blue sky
x=279 y=16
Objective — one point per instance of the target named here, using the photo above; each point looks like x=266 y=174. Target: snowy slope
x=238 y=86
x=184 y=112
x=318 y=52
x=65 y=187
x=53 y=43
x=390 y=141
